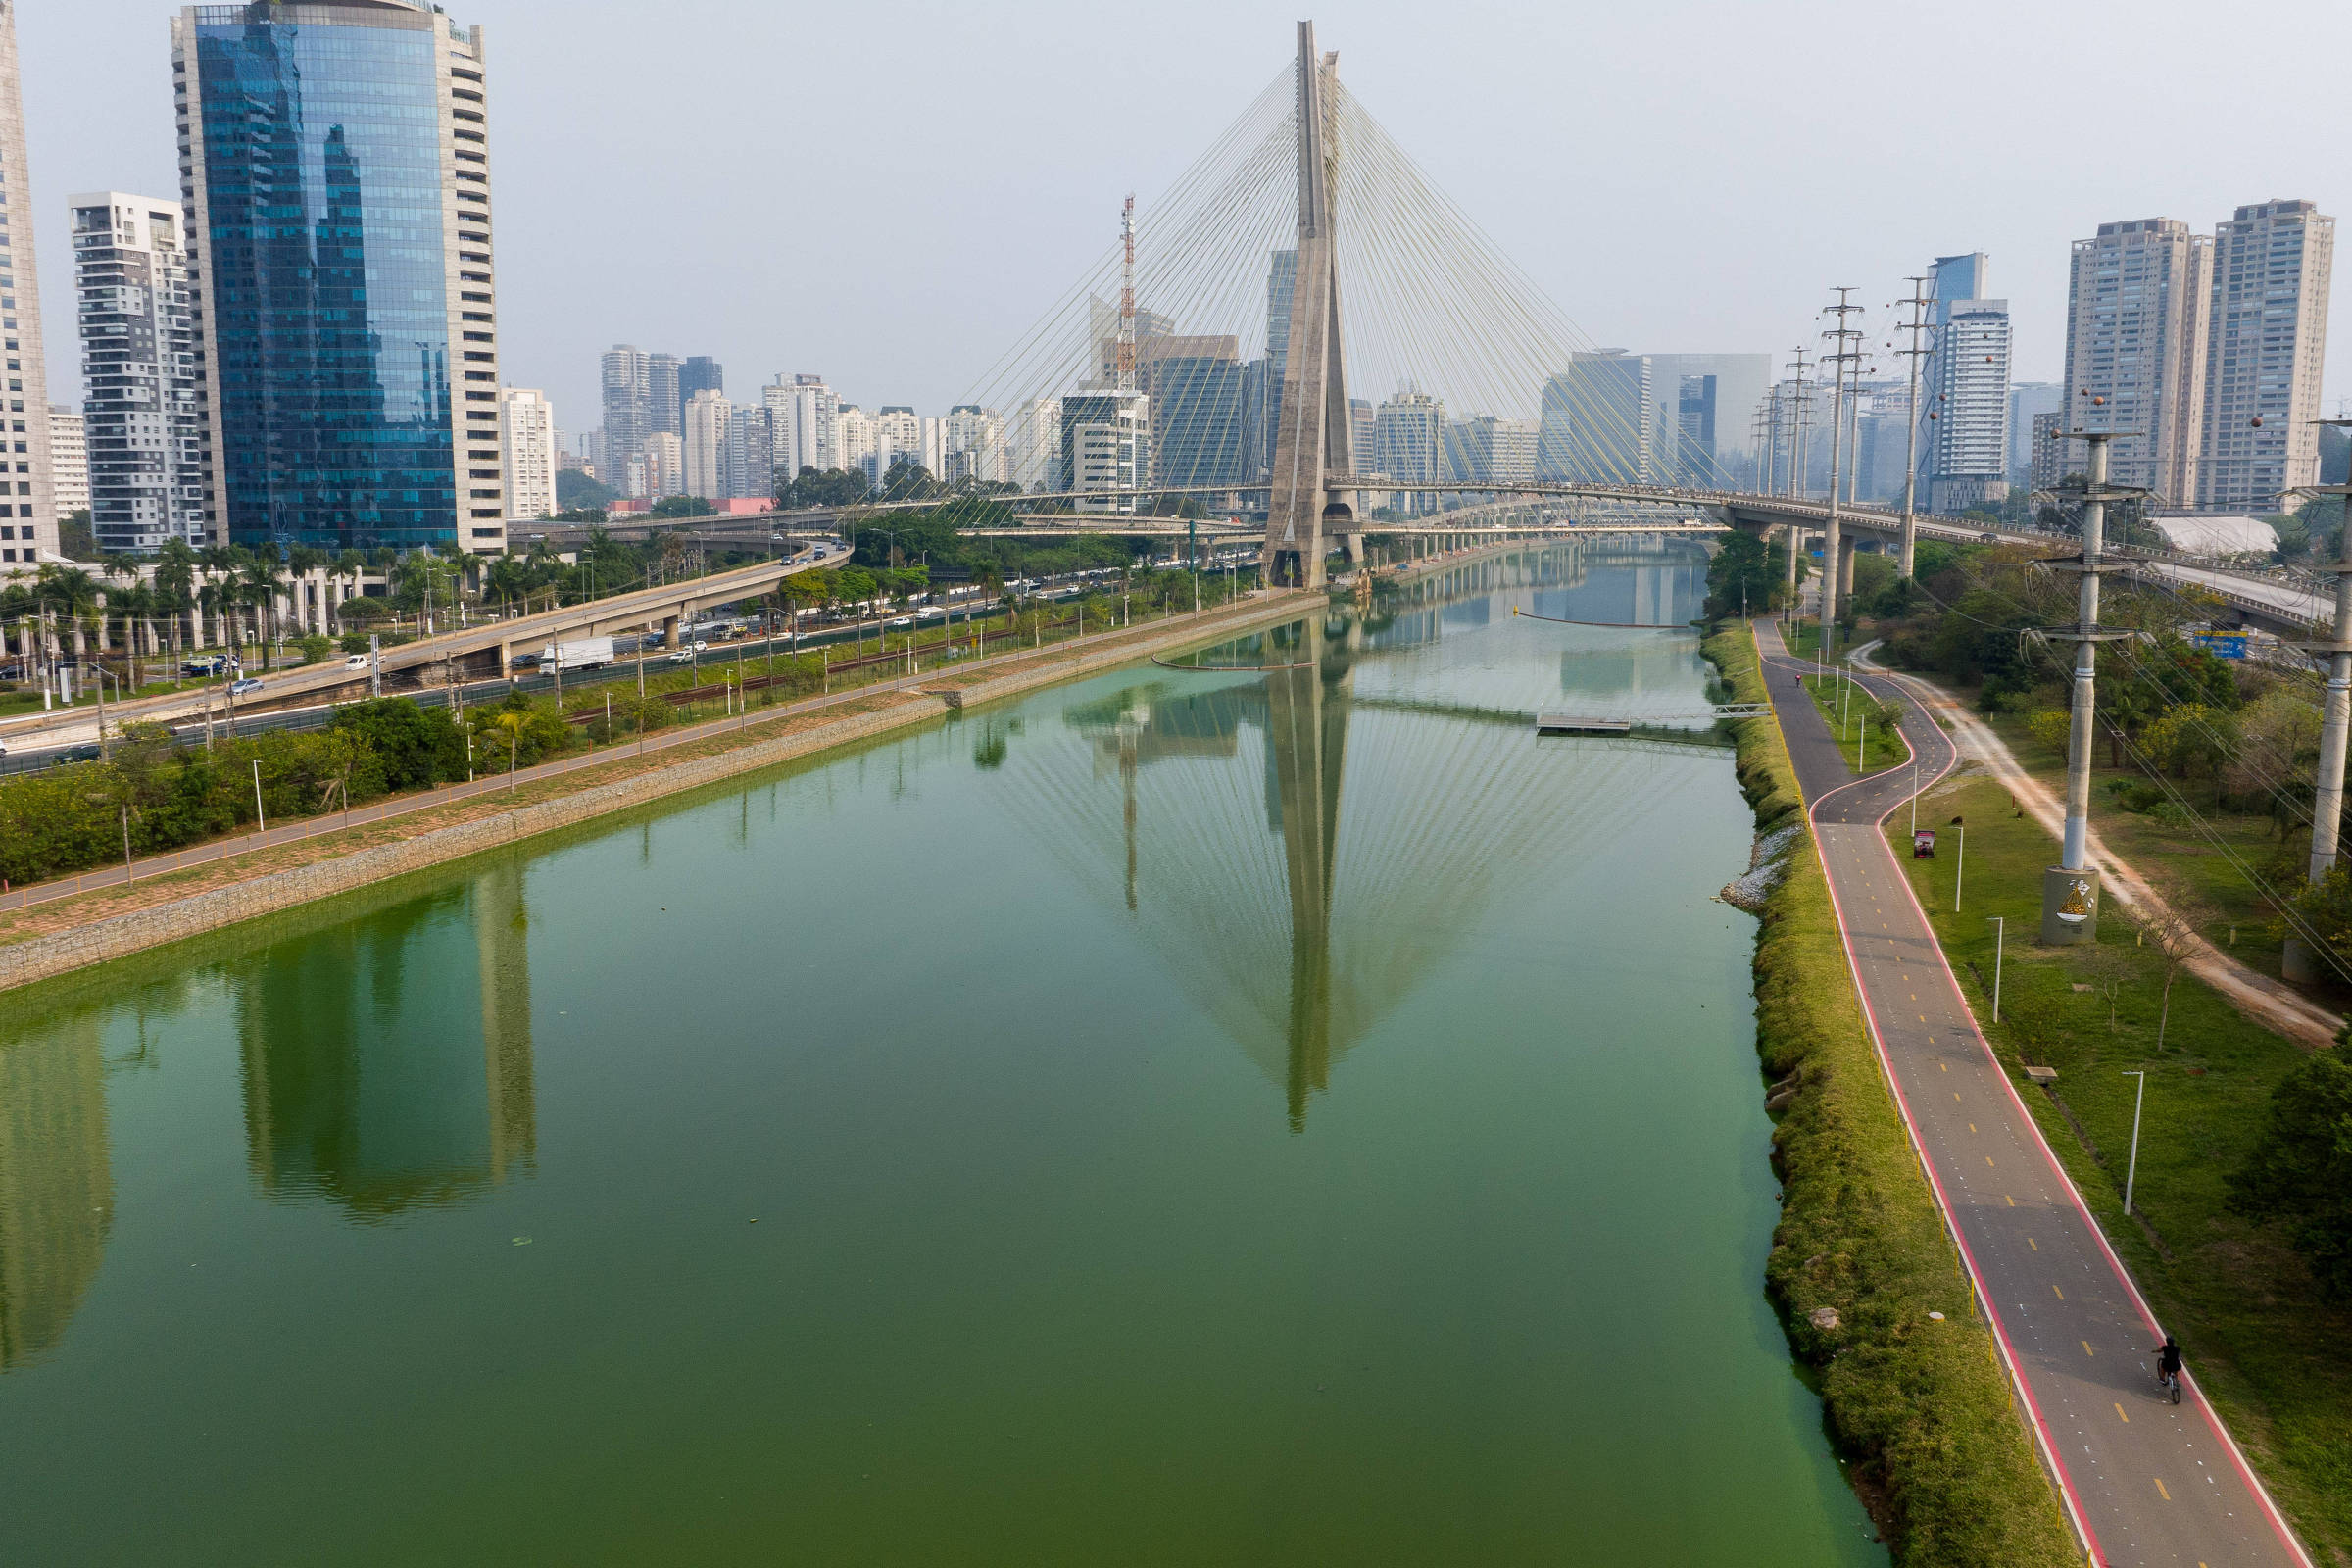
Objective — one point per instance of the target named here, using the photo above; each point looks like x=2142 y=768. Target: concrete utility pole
x=1797 y=466
x=1917 y=326
x=2070 y=890
x=2298 y=961
x=1836 y=563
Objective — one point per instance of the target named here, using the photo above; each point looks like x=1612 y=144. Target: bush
x=315 y=649
x=353 y=641
x=418 y=747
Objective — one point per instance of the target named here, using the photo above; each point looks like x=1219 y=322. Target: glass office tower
x=336 y=163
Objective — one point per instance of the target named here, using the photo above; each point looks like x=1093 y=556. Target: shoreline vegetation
x=93 y=927
x=1861 y=1254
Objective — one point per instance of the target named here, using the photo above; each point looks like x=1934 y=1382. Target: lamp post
x=2000 y=932
x=2131 y=1172
x=1960 y=864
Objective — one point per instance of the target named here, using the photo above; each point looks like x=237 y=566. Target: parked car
x=244 y=688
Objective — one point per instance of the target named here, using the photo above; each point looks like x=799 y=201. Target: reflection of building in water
x=1297 y=926
x=388 y=1060
x=57 y=1200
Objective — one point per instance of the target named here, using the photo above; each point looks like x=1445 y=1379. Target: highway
x=2146 y=1481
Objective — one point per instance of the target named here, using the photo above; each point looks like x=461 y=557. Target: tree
x=418 y=747
x=576 y=490
x=1746 y=573
x=680 y=506
x=74 y=536
x=2279 y=748
x=824 y=487
x=2300 y=1172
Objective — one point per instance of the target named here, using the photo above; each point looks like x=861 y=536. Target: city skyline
x=98 y=106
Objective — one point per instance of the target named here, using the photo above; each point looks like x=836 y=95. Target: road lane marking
x=2088 y=1350
x=2119 y=1410
x=2031 y=1241
x=1946 y=1065
x=1972 y=1126
x=2060 y=1293
x=1987 y=1159
x=2012 y=1201
x=2167 y=1497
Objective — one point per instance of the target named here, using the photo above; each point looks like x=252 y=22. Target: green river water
x=1288 y=1116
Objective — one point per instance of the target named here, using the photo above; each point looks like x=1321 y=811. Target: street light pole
x=2069 y=893
x=2328 y=804
x=2000 y=932
x=2131 y=1172
x=1960 y=867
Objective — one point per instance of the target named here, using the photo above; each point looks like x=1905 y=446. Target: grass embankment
x=2265 y=1351
x=1869 y=732
x=1923 y=1407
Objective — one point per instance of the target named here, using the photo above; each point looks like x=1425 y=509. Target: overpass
x=477 y=651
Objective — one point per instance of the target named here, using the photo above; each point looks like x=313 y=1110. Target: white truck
x=586 y=652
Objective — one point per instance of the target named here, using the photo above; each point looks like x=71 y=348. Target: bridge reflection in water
x=387 y=1062
x=1322 y=852
x=57 y=1198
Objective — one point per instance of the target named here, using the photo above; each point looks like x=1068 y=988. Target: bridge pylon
x=1316 y=437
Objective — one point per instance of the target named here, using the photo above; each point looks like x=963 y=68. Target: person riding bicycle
x=2168 y=1362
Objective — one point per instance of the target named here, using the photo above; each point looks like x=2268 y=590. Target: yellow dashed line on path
x=1987 y=1159
x=2012 y=1201
x=2086 y=1349
x=2031 y=1241
x=2060 y=1293
x=2167 y=1497
x=2119 y=1410
x=1972 y=1126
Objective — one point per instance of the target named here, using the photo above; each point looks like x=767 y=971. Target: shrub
x=315 y=649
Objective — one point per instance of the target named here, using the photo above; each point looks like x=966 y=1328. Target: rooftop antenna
x=1126 y=362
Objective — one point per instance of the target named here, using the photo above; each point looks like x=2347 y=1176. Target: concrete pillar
x=1845 y=566
x=669 y=630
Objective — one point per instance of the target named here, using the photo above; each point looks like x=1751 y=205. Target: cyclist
x=2168 y=1367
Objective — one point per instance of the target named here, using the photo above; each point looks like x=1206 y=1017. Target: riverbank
x=118 y=917
x=1861 y=1255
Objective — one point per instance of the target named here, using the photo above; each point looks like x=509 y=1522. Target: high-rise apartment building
x=663 y=466
x=1282 y=276
x=706 y=444
x=337 y=180
x=1740 y=381
x=2028 y=399
x=1968 y=420
x=28 y=494
x=1486 y=449
x=665 y=404
x=2267 y=335
x=972 y=446
x=699 y=372
x=803 y=415
x=1598 y=415
x=1409 y=448
x=527 y=432
x=2136 y=338
x=1034 y=437
x=853 y=439
x=751 y=467
x=629 y=406
x=68 y=461
x=149 y=469
x=898 y=434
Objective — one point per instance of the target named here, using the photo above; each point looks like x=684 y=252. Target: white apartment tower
x=144 y=423
x=972 y=446
x=664 y=462
x=1969 y=419
x=706 y=444
x=803 y=415
x=28 y=492
x=526 y=428
x=68 y=461
x=2135 y=332
x=2267 y=336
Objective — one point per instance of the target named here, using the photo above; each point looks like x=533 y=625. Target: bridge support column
x=670 y=632
x=1845 y=568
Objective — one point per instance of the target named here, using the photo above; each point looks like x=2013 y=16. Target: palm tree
x=261 y=589
x=220 y=562
x=175 y=585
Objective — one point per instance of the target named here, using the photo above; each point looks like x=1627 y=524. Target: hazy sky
x=891 y=194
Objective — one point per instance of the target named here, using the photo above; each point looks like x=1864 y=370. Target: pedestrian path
x=2145 y=1481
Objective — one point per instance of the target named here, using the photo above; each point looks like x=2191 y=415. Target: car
x=685 y=656
x=74 y=754
x=211 y=664
x=244 y=688
x=358 y=661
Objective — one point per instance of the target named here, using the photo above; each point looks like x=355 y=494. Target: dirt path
x=2268 y=1001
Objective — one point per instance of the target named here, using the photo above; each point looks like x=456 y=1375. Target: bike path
x=2147 y=1481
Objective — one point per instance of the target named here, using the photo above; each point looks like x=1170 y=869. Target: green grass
x=2180 y=861
x=2268 y=1352
x=1867 y=731
x=1923 y=1406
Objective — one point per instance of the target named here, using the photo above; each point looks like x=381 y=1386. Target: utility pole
x=1917 y=326
x=2070 y=890
x=2298 y=961
x=1844 y=355
x=1797 y=468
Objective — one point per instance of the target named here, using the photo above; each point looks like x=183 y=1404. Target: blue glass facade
x=326 y=275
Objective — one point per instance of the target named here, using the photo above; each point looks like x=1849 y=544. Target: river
x=1280 y=1115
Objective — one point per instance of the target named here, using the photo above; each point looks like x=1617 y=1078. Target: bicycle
x=2168 y=1383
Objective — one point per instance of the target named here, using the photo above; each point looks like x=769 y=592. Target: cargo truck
x=587 y=653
